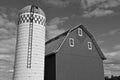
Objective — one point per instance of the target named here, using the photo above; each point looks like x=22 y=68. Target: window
x=89 y=45
x=80 y=33
x=71 y=42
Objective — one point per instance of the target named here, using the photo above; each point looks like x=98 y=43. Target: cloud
x=98 y=8
x=113 y=57
x=100 y=3
x=7 y=32
x=115 y=31
x=7 y=46
x=85 y=4
x=116 y=47
x=112 y=69
x=100 y=42
x=112 y=64
x=89 y=3
x=60 y=3
x=8 y=28
x=53 y=27
x=111 y=33
x=110 y=4
x=97 y=13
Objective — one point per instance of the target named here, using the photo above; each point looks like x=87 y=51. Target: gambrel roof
x=53 y=45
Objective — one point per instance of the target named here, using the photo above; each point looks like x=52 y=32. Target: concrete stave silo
x=30 y=49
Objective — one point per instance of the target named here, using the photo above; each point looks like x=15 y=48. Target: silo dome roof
x=35 y=8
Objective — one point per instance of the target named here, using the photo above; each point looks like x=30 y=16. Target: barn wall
x=78 y=62
x=80 y=46
x=50 y=68
x=69 y=67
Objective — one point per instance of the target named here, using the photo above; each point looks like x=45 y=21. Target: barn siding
x=81 y=46
x=70 y=67
x=78 y=63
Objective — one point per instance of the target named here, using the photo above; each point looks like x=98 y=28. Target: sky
x=100 y=17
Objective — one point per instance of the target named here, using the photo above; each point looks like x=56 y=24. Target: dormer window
x=80 y=32
x=90 y=45
x=71 y=42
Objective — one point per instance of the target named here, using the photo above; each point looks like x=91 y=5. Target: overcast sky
x=100 y=17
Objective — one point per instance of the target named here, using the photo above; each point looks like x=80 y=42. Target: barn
x=74 y=55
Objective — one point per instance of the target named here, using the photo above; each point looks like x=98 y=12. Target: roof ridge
x=69 y=30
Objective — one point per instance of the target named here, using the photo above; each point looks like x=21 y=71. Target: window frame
x=73 y=42
x=90 y=45
x=80 y=32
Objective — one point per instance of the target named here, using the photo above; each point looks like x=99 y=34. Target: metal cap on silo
x=28 y=8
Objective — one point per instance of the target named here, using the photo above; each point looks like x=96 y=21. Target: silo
x=30 y=46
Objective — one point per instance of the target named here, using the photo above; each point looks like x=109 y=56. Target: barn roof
x=53 y=45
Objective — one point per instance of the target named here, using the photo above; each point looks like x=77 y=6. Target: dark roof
x=53 y=45
x=28 y=9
